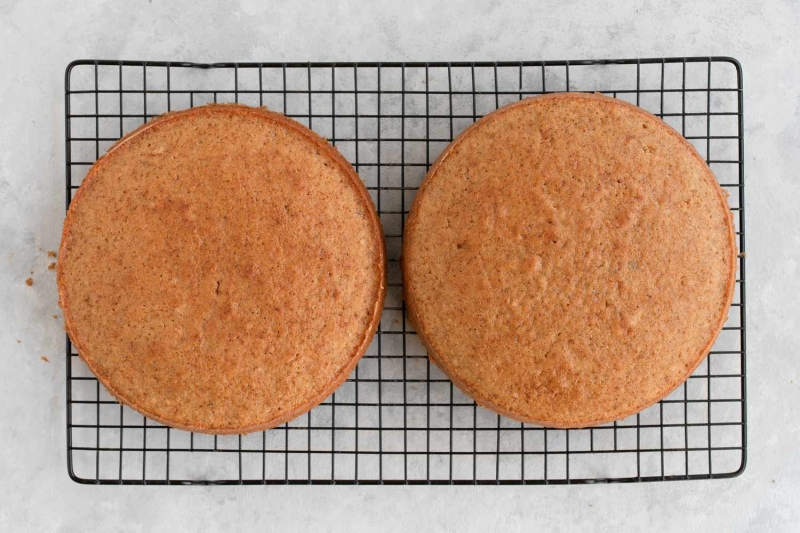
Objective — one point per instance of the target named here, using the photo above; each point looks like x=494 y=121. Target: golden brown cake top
x=569 y=260
x=222 y=269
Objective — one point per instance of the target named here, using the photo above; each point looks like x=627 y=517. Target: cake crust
x=222 y=269
x=569 y=260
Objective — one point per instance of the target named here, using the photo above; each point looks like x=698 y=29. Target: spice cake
x=222 y=269
x=569 y=260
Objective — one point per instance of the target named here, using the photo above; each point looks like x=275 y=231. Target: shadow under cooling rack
x=397 y=419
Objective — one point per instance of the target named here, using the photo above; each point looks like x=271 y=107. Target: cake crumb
x=51 y=253
x=743 y=254
x=55 y=316
x=45 y=359
x=51 y=266
x=29 y=282
x=19 y=341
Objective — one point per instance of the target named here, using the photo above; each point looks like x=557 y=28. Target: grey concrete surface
x=38 y=39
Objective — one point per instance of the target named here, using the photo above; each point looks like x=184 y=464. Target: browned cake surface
x=569 y=260
x=222 y=269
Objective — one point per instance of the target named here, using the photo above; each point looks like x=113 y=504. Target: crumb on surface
x=29 y=282
x=51 y=253
x=19 y=341
x=51 y=266
x=55 y=316
x=45 y=359
x=743 y=254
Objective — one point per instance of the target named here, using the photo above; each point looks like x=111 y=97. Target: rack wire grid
x=398 y=419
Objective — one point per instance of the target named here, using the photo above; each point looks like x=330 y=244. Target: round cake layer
x=569 y=260
x=222 y=269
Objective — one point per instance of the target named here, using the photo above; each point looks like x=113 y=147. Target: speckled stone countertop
x=38 y=39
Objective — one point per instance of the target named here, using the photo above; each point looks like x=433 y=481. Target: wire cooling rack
x=397 y=419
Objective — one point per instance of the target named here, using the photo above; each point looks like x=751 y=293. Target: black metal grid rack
x=397 y=419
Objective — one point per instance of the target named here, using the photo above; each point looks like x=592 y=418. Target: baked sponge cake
x=569 y=260
x=222 y=269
